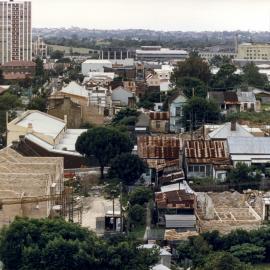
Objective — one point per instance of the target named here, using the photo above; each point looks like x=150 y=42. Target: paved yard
x=94 y=207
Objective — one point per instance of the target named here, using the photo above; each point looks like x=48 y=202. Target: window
x=178 y=111
x=157 y=124
x=202 y=169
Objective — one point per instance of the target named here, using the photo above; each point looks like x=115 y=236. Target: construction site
x=34 y=187
x=229 y=211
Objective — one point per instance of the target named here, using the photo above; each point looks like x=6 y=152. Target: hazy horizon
x=170 y=15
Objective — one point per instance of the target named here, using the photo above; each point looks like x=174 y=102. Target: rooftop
x=159 y=147
x=42 y=123
x=97 y=61
x=246 y=97
x=179 y=199
x=205 y=152
x=74 y=88
x=245 y=145
x=226 y=131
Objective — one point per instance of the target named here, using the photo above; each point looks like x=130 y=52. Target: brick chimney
x=30 y=128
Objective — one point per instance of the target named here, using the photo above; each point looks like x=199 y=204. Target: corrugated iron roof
x=159 y=147
x=231 y=97
x=175 y=199
x=205 y=152
x=159 y=115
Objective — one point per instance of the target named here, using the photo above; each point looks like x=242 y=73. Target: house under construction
x=32 y=187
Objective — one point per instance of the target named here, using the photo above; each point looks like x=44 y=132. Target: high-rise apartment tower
x=15 y=31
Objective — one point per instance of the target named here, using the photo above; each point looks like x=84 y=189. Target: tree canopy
x=37 y=103
x=8 y=103
x=192 y=86
x=127 y=167
x=253 y=77
x=198 y=111
x=126 y=115
x=195 y=67
x=226 y=78
x=104 y=143
x=55 y=244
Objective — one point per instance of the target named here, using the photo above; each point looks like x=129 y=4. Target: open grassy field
x=67 y=49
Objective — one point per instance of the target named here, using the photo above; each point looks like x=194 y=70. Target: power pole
x=121 y=213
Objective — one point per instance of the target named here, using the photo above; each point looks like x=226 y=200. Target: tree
x=8 y=103
x=57 y=54
x=2 y=79
x=104 y=143
x=194 y=67
x=39 y=67
x=37 y=103
x=243 y=173
x=49 y=244
x=249 y=253
x=198 y=111
x=137 y=214
x=192 y=86
x=253 y=77
x=127 y=167
x=218 y=60
x=226 y=78
x=140 y=195
x=223 y=261
x=124 y=114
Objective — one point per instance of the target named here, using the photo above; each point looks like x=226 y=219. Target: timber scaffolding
x=63 y=205
x=34 y=187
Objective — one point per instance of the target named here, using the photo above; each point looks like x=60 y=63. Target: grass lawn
x=261 y=267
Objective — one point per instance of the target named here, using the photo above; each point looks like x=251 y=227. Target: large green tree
x=192 y=87
x=127 y=167
x=38 y=103
x=226 y=78
x=8 y=104
x=104 y=143
x=198 y=111
x=57 y=245
x=194 y=67
x=253 y=77
x=223 y=261
x=124 y=116
x=39 y=67
x=140 y=195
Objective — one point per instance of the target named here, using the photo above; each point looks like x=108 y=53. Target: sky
x=182 y=15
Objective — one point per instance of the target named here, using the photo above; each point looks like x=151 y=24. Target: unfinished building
x=228 y=211
x=29 y=186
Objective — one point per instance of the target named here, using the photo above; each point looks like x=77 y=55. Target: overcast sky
x=182 y=15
